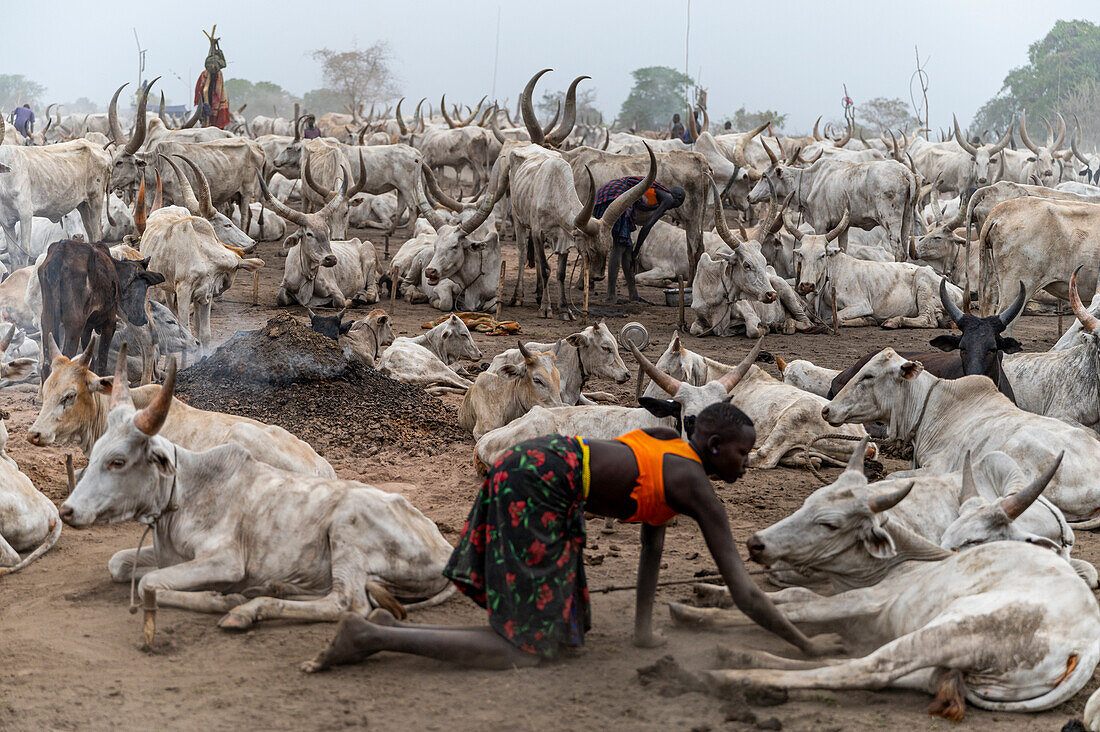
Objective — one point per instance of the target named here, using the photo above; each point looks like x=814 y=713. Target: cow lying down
x=428 y=359
x=76 y=402
x=28 y=520
x=228 y=528
x=976 y=625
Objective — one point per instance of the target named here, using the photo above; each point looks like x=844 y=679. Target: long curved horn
x=807 y=161
x=187 y=193
x=437 y=192
x=961 y=138
x=297 y=129
x=855 y=462
x=151 y=419
x=739 y=158
x=731 y=379
x=768 y=150
x=530 y=121
x=952 y=310
x=670 y=385
x=158 y=199
x=443 y=108
x=468 y=120
x=138 y=138
x=139 y=209
x=362 y=133
x=485 y=207
x=1089 y=321
x=1019 y=501
x=792 y=226
x=1061 y=134
x=120 y=387
x=206 y=205
x=817 y=134
x=49 y=119
x=160 y=110
x=400 y=121
x=969 y=487
x=307 y=176
x=569 y=118
x=112 y=118
x=1073 y=140
x=340 y=198
x=427 y=211
x=881 y=503
x=1015 y=308
x=583 y=220
x=720 y=217
x=1003 y=142
x=1050 y=129
x=691 y=124
x=619 y=206
x=839 y=228
x=280 y=208
x=193 y=119
x=496 y=129
x=1023 y=134
x=418 y=116
x=361 y=181
x=847 y=137
x=706 y=120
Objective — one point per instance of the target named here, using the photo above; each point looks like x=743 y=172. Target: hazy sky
x=780 y=54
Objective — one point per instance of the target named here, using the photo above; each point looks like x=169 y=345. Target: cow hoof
x=567 y=316
x=235 y=621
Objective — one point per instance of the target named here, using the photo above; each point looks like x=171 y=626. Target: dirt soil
x=71 y=656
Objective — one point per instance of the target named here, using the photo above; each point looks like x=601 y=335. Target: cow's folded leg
x=326 y=609
x=202 y=601
x=175 y=585
x=8 y=556
x=121 y=564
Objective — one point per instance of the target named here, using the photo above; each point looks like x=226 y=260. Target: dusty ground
x=70 y=654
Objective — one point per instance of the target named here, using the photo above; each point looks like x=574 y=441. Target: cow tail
x=45 y=546
x=381 y=597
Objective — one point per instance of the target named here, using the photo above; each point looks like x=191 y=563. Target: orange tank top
x=649 y=492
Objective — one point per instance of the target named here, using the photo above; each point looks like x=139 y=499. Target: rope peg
x=149 y=608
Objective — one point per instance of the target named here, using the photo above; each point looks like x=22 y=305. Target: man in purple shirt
x=23 y=119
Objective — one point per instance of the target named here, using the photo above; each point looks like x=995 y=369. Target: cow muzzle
x=804 y=288
x=828 y=415
x=329 y=261
x=769 y=297
x=67 y=513
x=433 y=276
x=756 y=547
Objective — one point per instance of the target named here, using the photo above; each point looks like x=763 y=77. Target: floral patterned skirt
x=520 y=553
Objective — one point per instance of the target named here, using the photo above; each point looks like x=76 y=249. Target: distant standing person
x=23 y=119
x=676 y=130
x=311 y=132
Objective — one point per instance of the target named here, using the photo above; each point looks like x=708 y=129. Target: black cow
x=85 y=290
x=331 y=326
x=976 y=349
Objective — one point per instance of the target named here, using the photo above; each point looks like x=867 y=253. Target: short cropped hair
x=723 y=419
x=678 y=194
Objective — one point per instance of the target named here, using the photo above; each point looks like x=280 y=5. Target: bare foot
x=351 y=643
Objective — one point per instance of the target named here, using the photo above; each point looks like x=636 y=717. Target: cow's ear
x=153 y=278
x=346 y=326
x=513 y=370
x=159 y=457
x=946 y=342
x=18 y=369
x=909 y=369
x=877 y=541
x=576 y=340
x=4 y=168
x=1009 y=345
x=660 y=408
x=100 y=384
x=250 y=265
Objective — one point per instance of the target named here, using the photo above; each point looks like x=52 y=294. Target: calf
x=76 y=403
x=938 y=618
x=494 y=400
x=330 y=326
x=807 y=376
x=241 y=526
x=979 y=343
x=591 y=352
x=85 y=290
x=367 y=336
x=427 y=359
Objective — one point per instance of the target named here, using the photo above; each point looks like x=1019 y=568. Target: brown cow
x=85 y=290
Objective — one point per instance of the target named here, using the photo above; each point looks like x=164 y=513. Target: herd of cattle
x=962 y=568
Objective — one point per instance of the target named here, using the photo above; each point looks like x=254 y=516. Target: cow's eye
x=830 y=525
x=68 y=398
x=115 y=463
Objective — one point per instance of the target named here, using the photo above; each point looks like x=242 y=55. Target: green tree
x=83 y=105
x=1065 y=61
x=744 y=120
x=320 y=101
x=262 y=97
x=17 y=90
x=882 y=114
x=658 y=93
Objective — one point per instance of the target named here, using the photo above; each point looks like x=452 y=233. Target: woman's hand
x=826 y=644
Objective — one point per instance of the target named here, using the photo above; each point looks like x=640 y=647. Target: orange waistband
x=649 y=491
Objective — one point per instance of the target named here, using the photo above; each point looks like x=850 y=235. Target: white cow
x=303 y=548
x=427 y=359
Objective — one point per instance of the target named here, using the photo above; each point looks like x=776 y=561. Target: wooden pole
x=393 y=289
x=680 y=283
x=500 y=289
x=586 y=287
x=836 y=318
x=70 y=475
x=149 y=606
x=256 y=287
x=1059 y=318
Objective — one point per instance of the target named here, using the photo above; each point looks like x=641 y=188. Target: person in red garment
x=210 y=88
x=520 y=553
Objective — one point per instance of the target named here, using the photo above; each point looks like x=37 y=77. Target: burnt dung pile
x=286 y=374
